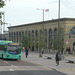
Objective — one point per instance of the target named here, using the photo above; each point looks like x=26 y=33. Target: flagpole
x=43 y=27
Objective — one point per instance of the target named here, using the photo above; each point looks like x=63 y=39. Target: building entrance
x=74 y=46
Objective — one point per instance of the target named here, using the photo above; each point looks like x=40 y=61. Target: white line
x=14 y=66
x=11 y=70
x=6 y=62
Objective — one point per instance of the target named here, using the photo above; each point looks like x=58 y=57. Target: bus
x=10 y=50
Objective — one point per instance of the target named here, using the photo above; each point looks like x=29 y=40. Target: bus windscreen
x=14 y=48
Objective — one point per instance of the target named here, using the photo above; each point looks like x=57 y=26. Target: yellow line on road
x=46 y=67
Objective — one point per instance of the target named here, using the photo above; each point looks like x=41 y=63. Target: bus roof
x=2 y=41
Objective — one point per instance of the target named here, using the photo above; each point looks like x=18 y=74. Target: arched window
x=55 y=31
x=72 y=31
x=17 y=36
x=36 y=34
x=55 y=39
x=74 y=43
x=14 y=37
x=50 y=38
x=45 y=38
x=74 y=46
x=46 y=35
x=40 y=34
x=33 y=35
x=20 y=36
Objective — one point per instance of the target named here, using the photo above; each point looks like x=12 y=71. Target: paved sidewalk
x=64 y=66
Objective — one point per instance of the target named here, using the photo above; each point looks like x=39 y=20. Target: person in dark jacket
x=57 y=59
x=26 y=52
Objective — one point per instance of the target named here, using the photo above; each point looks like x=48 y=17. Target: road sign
x=67 y=41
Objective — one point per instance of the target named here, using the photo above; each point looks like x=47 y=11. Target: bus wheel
x=2 y=56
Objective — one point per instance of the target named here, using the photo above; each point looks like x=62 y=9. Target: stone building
x=51 y=26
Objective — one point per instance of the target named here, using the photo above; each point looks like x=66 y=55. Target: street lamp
x=58 y=24
x=40 y=54
x=42 y=16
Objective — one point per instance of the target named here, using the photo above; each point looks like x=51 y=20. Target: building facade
x=51 y=28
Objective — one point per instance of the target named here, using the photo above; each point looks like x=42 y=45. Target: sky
x=19 y=12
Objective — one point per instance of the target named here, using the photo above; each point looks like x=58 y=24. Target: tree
x=2 y=4
x=61 y=40
x=25 y=40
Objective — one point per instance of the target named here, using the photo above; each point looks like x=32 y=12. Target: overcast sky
x=24 y=11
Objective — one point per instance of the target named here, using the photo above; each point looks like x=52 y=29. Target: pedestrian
x=26 y=52
x=57 y=59
x=69 y=50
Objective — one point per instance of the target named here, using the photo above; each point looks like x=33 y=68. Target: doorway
x=74 y=46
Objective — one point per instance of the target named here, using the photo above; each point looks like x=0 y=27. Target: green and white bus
x=10 y=50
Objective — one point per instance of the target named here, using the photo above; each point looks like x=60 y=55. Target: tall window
x=50 y=39
x=20 y=36
x=36 y=34
x=45 y=38
x=33 y=35
x=14 y=37
x=45 y=35
x=17 y=36
x=55 y=39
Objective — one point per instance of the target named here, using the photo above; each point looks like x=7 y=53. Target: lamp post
x=42 y=16
x=58 y=24
x=40 y=54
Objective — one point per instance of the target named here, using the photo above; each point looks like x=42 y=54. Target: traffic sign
x=67 y=41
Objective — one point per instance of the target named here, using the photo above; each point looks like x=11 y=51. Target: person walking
x=26 y=52
x=57 y=59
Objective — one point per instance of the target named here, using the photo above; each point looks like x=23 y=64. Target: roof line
x=53 y=20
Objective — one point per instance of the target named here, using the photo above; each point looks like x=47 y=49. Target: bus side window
x=3 y=48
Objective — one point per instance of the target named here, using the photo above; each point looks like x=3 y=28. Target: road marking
x=11 y=70
x=39 y=65
x=46 y=67
x=6 y=62
x=12 y=65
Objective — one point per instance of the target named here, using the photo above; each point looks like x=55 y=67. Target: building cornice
x=48 y=21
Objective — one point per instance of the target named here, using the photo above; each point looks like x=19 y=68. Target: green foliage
x=36 y=42
x=61 y=40
x=25 y=40
x=42 y=39
x=2 y=3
